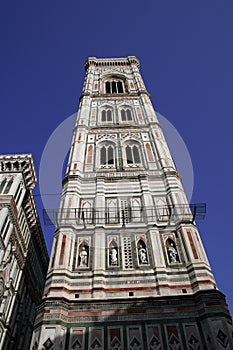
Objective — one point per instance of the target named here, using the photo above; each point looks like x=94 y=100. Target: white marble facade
x=23 y=254
x=124 y=226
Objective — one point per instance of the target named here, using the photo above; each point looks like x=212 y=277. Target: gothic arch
x=87 y=211
x=126 y=113
x=114 y=84
x=136 y=209
x=106 y=113
x=106 y=154
x=162 y=210
x=132 y=153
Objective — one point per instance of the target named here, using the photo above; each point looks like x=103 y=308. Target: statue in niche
x=83 y=257
x=142 y=255
x=172 y=252
x=113 y=256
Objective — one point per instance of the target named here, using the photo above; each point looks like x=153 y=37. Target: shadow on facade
x=199 y=321
x=24 y=284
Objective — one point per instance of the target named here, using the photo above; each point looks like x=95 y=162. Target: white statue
x=172 y=253
x=83 y=257
x=142 y=255
x=113 y=256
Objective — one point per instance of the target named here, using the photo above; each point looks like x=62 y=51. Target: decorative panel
x=77 y=339
x=154 y=339
x=173 y=338
x=192 y=337
x=134 y=338
x=127 y=253
x=96 y=339
x=115 y=338
x=192 y=244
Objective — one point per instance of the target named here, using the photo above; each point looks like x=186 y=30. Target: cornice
x=19 y=163
x=121 y=61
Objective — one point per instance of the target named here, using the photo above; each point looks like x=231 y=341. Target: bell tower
x=128 y=269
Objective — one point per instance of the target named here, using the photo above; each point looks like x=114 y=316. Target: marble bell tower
x=128 y=270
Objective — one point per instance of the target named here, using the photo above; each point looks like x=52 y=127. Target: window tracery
x=106 y=156
x=132 y=154
x=126 y=115
x=106 y=116
x=114 y=86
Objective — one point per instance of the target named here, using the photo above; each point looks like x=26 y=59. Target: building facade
x=128 y=270
x=23 y=254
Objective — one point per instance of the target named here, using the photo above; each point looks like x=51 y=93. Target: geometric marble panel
x=192 y=337
x=173 y=338
x=77 y=339
x=222 y=338
x=115 y=339
x=96 y=338
x=154 y=338
x=134 y=338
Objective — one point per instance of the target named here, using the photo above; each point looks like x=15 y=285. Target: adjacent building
x=23 y=253
x=128 y=270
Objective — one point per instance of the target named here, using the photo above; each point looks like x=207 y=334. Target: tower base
x=199 y=321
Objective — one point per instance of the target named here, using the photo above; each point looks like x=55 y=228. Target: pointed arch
x=87 y=211
x=111 y=211
x=106 y=113
x=162 y=209
x=133 y=155
x=114 y=84
x=136 y=210
x=126 y=113
x=106 y=154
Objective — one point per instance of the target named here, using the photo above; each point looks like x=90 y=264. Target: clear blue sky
x=186 y=54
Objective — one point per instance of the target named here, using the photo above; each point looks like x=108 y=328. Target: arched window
x=114 y=86
x=126 y=115
x=107 y=155
x=132 y=154
x=86 y=213
x=108 y=87
x=162 y=210
x=106 y=115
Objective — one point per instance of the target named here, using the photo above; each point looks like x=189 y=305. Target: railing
x=160 y=215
